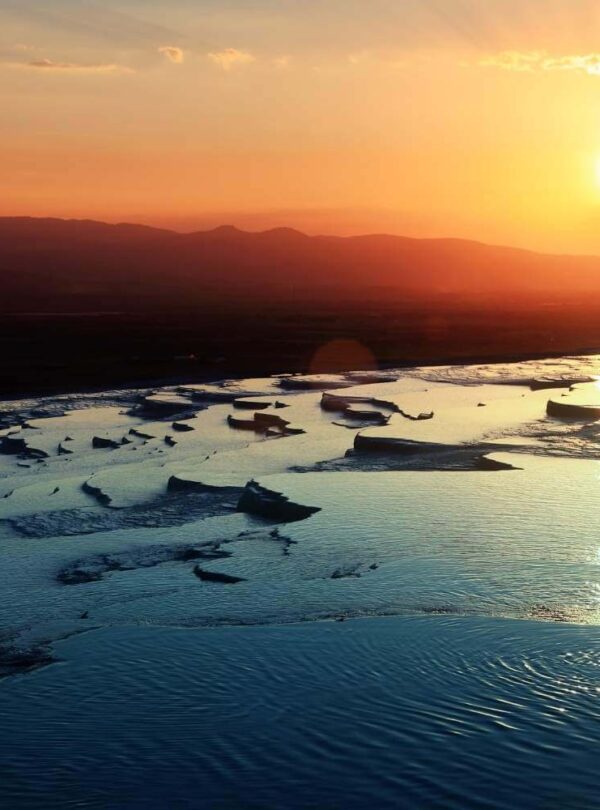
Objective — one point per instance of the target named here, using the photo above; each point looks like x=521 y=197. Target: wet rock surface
x=182 y=427
x=104 y=443
x=216 y=576
x=176 y=509
x=95 y=568
x=16 y=660
x=263 y=423
x=258 y=500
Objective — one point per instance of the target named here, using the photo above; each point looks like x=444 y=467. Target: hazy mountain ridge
x=71 y=263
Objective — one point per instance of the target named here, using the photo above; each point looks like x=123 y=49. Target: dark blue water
x=425 y=712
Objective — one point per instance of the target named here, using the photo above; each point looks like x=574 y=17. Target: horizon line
x=289 y=229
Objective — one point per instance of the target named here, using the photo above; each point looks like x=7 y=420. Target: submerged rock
x=171 y=509
x=353 y=570
x=207 y=553
x=216 y=576
x=94 y=568
x=258 y=500
x=345 y=573
x=552 y=613
x=78 y=576
x=14 y=659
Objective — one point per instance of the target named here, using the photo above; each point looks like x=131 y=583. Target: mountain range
x=72 y=265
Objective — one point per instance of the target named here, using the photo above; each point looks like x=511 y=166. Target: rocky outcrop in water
x=104 y=443
x=13 y=445
x=141 y=434
x=96 y=492
x=566 y=381
x=177 y=483
x=572 y=410
x=182 y=427
x=388 y=444
x=485 y=462
x=245 y=404
x=216 y=576
x=419 y=417
x=267 y=424
x=348 y=407
x=258 y=500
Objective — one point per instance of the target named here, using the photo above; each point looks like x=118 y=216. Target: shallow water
x=431 y=712
x=435 y=697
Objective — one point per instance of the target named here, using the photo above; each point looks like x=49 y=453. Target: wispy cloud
x=72 y=67
x=589 y=63
x=172 y=53
x=231 y=57
x=536 y=61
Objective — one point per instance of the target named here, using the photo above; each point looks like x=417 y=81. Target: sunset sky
x=420 y=117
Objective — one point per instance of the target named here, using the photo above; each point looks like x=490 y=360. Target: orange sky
x=422 y=117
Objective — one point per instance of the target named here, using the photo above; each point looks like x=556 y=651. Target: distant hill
x=69 y=265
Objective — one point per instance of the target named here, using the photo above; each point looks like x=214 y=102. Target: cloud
x=514 y=60
x=172 y=53
x=231 y=57
x=537 y=61
x=589 y=63
x=73 y=67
